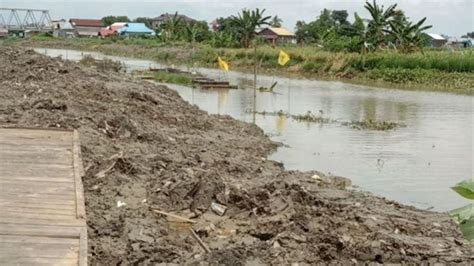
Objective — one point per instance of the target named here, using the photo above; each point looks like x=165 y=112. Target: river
x=414 y=165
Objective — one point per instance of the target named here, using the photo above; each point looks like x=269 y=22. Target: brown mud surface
x=144 y=148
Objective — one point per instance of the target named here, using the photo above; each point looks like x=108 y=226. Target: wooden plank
x=44 y=179
x=38 y=239
x=78 y=173
x=19 y=188
x=37 y=261
x=39 y=206
x=40 y=198
x=83 y=247
x=34 y=210
x=40 y=185
x=54 y=157
x=44 y=250
x=34 y=221
x=31 y=173
x=42 y=217
x=39 y=230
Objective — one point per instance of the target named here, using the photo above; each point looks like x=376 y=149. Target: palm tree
x=246 y=23
x=379 y=23
x=276 y=22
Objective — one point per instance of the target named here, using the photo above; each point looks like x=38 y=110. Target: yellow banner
x=222 y=64
x=283 y=58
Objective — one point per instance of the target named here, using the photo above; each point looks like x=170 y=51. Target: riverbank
x=433 y=70
x=144 y=148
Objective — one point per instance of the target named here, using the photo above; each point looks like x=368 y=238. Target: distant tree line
x=386 y=28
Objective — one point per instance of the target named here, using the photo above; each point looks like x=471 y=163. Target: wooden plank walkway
x=42 y=213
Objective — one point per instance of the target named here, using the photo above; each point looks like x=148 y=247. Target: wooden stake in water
x=255 y=83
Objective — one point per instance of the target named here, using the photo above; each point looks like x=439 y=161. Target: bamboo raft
x=42 y=217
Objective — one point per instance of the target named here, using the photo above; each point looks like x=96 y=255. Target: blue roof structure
x=135 y=28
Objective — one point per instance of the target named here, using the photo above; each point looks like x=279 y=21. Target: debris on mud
x=146 y=149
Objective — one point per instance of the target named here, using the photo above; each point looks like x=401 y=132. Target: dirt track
x=144 y=148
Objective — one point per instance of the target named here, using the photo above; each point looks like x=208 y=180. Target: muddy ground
x=144 y=148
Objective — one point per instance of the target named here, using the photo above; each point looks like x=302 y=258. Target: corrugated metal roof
x=135 y=28
x=86 y=22
x=281 y=31
x=436 y=36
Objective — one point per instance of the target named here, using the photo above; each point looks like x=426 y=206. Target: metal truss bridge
x=25 y=19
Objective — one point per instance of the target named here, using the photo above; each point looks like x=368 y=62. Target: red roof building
x=87 y=27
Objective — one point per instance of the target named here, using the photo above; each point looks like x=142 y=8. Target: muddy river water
x=415 y=165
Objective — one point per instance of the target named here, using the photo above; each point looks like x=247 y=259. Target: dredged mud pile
x=144 y=148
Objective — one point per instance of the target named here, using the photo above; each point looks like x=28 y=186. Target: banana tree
x=464 y=216
x=172 y=27
x=379 y=22
x=408 y=36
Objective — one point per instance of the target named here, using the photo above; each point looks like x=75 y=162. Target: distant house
x=276 y=35
x=63 y=29
x=460 y=42
x=156 y=22
x=87 y=27
x=436 y=40
x=112 y=29
x=135 y=29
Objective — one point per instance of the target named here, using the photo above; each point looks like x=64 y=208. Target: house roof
x=86 y=22
x=280 y=31
x=112 y=28
x=167 y=16
x=436 y=36
x=135 y=28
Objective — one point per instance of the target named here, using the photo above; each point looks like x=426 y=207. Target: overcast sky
x=452 y=17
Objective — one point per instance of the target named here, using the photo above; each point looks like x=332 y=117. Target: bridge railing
x=25 y=19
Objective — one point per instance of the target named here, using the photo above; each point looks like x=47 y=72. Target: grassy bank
x=431 y=70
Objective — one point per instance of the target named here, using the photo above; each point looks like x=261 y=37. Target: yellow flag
x=223 y=64
x=283 y=58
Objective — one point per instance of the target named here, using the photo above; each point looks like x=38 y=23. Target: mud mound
x=146 y=149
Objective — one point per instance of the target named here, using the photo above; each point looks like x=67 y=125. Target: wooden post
x=255 y=83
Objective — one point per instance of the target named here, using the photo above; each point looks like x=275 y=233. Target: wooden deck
x=42 y=213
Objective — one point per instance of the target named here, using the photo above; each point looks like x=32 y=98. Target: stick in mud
x=203 y=245
x=175 y=216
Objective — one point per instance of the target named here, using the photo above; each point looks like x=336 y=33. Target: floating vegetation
x=359 y=125
x=175 y=78
x=309 y=117
x=101 y=64
x=373 y=125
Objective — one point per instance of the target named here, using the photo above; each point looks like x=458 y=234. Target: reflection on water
x=414 y=165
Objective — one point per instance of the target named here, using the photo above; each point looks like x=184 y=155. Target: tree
x=379 y=23
x=109 y=20
x=469 y=35
x=276 y=22
x=340 y=17
x=409 y=36
x=245 y=24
